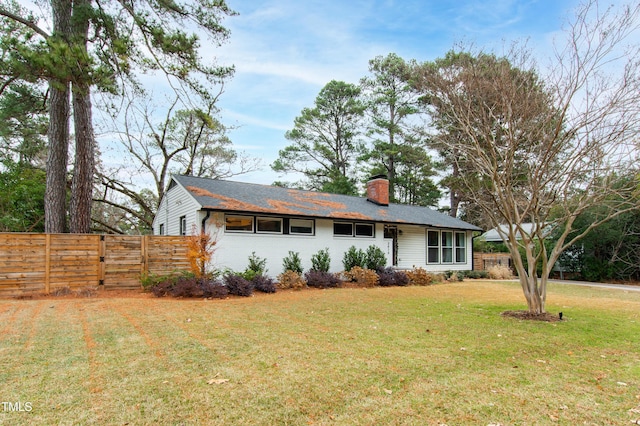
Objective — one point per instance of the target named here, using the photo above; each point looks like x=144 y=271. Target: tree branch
x=6 y=13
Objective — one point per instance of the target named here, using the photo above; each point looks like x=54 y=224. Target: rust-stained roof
x=242 y=197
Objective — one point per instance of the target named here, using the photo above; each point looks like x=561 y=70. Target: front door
x=391 y=236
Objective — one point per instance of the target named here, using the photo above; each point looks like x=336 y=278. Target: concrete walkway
x=600 y=285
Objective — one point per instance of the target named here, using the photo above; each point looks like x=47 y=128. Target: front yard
x=440 y=354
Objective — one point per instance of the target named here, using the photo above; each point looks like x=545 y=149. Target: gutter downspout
x=204 y=221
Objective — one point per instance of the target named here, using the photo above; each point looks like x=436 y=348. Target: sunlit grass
x=414 y=355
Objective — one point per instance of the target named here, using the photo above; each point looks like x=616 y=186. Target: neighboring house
x=271 y=221
x=492 y=235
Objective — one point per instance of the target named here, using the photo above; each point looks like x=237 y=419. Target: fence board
x=43 y=262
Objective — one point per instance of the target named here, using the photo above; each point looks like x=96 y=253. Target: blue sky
x=285 y=51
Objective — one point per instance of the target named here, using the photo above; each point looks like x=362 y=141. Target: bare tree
x=186 y=141
x=542 y=151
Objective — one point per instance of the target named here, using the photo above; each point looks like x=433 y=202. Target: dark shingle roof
x=224 y=195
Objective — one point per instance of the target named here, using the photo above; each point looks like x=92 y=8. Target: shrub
x=200 y=248
x=257 y=265
x=290 y=279
x=376 y=258
x=477 y=274
x=162 y=288
x=292 y=262
x=150 y=280
x=238 y=285
x=361 y=277
x=214 y=289
x=419 y=276
x=322 y=279
x=354 y=257
x=189 y=286
x=453 y=275
x=321 y=261
x=388 y=277
x=263 y=284
x=500 y=272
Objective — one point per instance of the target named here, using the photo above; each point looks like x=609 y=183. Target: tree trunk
x=58 y=151
x=535 y=301
x=55 y=195
x=83 y=170
x=84 y=165
x=454 y=197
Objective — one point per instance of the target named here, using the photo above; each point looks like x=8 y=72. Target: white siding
x=411 y=247
x=412 y=250
x=176 y=203
x=234 y=249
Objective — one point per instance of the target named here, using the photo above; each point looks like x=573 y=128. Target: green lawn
x=415 y=355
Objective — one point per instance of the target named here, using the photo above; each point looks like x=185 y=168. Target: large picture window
x=446 y=247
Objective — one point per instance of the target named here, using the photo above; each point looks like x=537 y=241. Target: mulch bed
x=530 y=316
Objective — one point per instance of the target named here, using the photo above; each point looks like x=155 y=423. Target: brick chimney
x=378 y=190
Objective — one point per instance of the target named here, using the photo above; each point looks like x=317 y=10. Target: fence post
x=144 y=263
x=102 y=252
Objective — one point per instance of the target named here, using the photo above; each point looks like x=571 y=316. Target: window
x=433 y=247
x=343 y=229
x=183 y=225
x=348 y=229
x=270 y=224
x=301 y=226
x=161 y=230
x=364 y=230
x=461 y=250
x=447 y=246
x=238 y=223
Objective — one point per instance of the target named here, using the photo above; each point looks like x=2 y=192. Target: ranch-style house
x=271 y=221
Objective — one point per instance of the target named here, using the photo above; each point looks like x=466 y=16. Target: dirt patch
x=530 y=316
x=83 y=294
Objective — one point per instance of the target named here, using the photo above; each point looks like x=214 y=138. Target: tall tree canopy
x=326 y=140
x=397 y=150
x=101 y=44
x=544 y=150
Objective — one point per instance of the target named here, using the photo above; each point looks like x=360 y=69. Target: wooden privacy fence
x=484 y=261
x=45 y=262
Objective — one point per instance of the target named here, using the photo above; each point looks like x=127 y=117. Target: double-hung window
x=461 y=247
x=433 y=247
x=447 y=246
